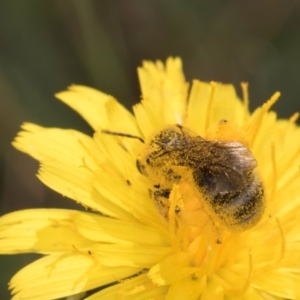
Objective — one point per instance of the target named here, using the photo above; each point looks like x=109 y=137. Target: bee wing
x=227 y=167
x=240 y=159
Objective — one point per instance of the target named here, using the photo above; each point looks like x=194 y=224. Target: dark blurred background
x=47 y=45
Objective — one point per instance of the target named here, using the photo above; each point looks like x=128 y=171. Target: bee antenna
x=123 y=134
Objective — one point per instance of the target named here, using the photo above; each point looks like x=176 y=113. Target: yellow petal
x=197 y=106
x=210 y=103
x=120 y=119
x=76 y=184
x=212 y=291
x=116 y=151
x=40 y=231
x=174 y=268
x=57 y=276
x=130 y=255
x=138 y=204
x=280 y=282
x=254 y=124
x=189 y=288
x=69 y=147
x=164 y=92
x=136 y=288
x=147 y=117
x=68 y=158
x=109 y=230
x=88 y=102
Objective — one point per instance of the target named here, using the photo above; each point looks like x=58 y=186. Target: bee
x=220 y=177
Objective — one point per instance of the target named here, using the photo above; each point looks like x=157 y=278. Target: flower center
x=209 y=246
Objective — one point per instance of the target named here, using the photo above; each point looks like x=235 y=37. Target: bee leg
x=161 y=200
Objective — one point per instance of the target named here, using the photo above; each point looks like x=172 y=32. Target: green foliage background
x=47 y=45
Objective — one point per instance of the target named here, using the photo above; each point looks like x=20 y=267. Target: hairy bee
x=221 y=173
x=220 y=177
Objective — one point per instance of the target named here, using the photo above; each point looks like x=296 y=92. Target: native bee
x=220 y=177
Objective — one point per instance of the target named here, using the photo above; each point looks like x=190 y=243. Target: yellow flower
x=123 y=245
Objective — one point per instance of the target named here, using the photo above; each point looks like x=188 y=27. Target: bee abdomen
x=241 y=209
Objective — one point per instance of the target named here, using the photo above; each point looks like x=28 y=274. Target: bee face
x=221 y=174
